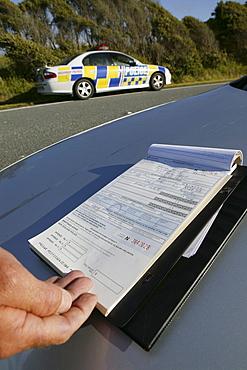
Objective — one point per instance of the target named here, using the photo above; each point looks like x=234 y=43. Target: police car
x=99 y=70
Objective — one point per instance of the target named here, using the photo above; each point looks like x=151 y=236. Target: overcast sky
x=200 y=9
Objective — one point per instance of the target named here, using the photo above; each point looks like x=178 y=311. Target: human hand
x=35 y=313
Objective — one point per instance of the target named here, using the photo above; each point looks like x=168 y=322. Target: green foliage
x=10 y=84
x=201 y=35
x=26 y=55
x=11 y=18
x=229 y=26
x=205 y=42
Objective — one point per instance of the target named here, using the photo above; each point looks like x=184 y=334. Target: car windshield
x=241 y=83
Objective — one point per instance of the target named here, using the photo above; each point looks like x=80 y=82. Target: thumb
x=47 y=299
x=65 y=302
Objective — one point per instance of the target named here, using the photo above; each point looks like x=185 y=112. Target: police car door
x=128 y=73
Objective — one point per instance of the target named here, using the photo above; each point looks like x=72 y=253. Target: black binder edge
x=179 y=275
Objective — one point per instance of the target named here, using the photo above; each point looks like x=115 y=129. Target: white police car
x=99 y=70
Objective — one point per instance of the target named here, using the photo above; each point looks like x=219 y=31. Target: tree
x=26 y=55
x=205 y=41
x=201 y=34
x=229 y=22
x=170 y=43
x=11 y=18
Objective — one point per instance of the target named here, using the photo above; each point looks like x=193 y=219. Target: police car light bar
x=99 y=47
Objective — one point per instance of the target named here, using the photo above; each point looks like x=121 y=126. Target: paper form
x=116 y=234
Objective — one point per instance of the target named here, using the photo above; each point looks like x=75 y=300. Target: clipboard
x=168 y=283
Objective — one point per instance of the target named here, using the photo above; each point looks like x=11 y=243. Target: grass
x=26 y=97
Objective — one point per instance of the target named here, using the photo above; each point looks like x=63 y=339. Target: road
x=27 y=130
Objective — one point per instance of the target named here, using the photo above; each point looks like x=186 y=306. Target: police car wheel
x=157 y=81
x=83 y=89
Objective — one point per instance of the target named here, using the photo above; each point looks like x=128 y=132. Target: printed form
x=116 y=234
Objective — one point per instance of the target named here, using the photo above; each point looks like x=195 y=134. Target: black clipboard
x=168 y=283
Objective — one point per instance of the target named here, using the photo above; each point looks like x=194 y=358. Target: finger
x=20 y=331
x=66 y=279
x=53 y=279
x=75 y=283
x=20 y=289
x=53 y=298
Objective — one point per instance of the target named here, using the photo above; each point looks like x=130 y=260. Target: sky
x=200 y=9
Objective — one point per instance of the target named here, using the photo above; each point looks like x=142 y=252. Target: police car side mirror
x=132 y=63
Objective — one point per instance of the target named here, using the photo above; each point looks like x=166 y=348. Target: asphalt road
x=27 y=130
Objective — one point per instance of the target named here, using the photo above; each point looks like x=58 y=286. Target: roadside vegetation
x=40 y=32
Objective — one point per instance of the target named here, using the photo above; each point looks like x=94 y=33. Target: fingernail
x=66 y=302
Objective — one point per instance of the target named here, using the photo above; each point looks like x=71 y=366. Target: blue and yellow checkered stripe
x=131 y=81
